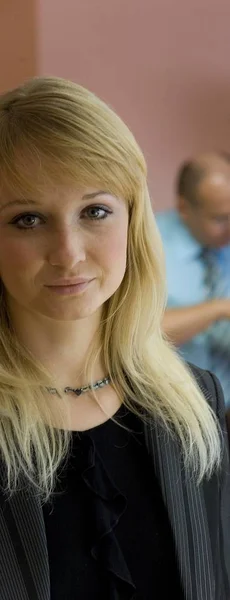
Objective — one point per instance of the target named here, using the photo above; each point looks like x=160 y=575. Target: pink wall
x=17 y=42
x=162 y=64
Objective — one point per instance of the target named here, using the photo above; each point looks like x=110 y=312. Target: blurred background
x=162 y=64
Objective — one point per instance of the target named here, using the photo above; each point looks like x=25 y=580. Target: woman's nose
x=67 y=248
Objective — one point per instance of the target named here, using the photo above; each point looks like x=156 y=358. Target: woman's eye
x=97 y=213
x=28 y=221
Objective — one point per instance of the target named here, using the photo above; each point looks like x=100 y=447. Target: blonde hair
x=70 y=135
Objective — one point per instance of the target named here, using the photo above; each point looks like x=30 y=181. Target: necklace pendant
x=86 y=388
x=76 y=391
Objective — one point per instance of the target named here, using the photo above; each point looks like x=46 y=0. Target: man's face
x=208 y=218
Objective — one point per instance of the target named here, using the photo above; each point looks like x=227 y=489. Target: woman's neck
x=61 y=346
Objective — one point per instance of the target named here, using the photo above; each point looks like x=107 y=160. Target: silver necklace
x=86 y=388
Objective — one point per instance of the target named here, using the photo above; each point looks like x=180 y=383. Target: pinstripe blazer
x=199 y=516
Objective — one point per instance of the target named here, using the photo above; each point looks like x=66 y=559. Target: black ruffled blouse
x=107 y=529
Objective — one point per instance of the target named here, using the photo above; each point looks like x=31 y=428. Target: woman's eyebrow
x=95 y=194
x=19 y=201
x=25 y=202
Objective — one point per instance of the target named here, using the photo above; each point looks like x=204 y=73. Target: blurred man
x=196 y=238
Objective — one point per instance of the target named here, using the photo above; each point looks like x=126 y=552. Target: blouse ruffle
x=109 y=505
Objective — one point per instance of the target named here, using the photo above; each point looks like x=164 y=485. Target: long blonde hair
x=70 y=135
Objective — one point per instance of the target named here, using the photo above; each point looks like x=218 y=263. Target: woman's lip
x=68 y=290
x=68 y=282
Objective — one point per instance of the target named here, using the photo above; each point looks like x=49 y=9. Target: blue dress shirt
x=186 y=280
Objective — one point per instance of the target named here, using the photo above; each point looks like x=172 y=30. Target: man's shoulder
x=171 y=229
x=167 y=217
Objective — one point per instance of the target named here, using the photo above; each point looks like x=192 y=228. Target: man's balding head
x=193 y=171
x=203 y=192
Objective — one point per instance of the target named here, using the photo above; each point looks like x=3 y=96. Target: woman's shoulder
x=210 y=386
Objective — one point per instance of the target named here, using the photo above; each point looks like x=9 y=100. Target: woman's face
x=62 y=253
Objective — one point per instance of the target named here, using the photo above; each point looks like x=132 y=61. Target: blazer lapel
x=25 y=566
x=186 y=509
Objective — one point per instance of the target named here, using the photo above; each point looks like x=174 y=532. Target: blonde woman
x=114 y=468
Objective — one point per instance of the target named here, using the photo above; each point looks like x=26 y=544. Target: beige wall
x=17 y=42
x=162 y=64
